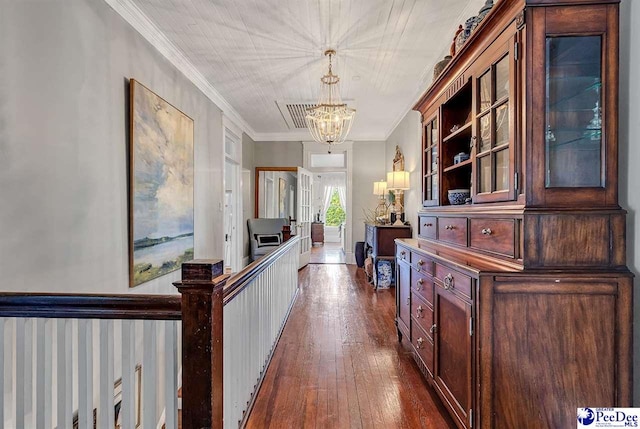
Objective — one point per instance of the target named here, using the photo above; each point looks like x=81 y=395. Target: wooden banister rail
x=202 y=293
x=88 y=306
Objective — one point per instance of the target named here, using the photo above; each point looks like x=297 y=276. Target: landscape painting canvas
x=161 y=186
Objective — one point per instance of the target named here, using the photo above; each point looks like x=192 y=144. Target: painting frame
x=161 y=139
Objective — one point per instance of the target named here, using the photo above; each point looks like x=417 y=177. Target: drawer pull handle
x=419 y=342
x=428 y=225
x=419 y=311
x=450 y=227
x=419 y=287
x=408 y=303
x=402 y=254
x=486 y=231
x=433 y=328
x=448 y=282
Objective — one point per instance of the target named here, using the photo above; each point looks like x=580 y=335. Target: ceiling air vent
x=294 y=113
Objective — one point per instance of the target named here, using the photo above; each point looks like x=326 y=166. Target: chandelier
x=330 y=120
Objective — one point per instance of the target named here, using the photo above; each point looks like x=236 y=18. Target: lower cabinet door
x=453 y=353
x=403 y=289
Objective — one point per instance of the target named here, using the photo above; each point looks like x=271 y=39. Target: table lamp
x=398 y=181
x=380 y=189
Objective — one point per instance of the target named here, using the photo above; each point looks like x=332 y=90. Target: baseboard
x=350 y=258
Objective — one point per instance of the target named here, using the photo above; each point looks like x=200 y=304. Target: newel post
x=201 y=288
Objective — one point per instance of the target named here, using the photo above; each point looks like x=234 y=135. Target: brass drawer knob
x=486 y=231
x=449 y=227
x=419 y=342
x=419 y=284
x=448 y=281
x=433 y=328
x=408 y=303
x=419 y=311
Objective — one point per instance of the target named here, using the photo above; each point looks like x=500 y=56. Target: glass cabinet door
x=494 y=130
x=572 y=106
x=430 y=160
x=573 y=112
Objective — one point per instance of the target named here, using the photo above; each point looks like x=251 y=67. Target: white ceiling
x=254 y=53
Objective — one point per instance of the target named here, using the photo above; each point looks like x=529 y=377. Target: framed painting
x=160 y=186
x=282 y=196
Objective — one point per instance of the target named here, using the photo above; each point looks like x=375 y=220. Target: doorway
x=331 y=202
x=328 y=229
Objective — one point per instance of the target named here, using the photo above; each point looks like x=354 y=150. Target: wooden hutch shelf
x=518 y=306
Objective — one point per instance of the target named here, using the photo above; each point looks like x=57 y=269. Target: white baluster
x=171 y=375
x=2 y=319
x=44 y=359
x=28 y=372
x=64 y=395
x=127 y=410
x=85 y=373
x=149 y=374
x=106 y=406
x=19 y=374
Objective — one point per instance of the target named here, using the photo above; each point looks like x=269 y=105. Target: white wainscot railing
x=253 y=320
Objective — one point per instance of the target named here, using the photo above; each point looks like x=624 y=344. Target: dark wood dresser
x=317 y=232
x=518 y=305
x=379 y=240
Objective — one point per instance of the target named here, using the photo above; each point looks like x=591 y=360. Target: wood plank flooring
x=339 y=365
x=327 y=253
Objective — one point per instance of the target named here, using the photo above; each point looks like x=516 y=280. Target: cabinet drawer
x=421 y=313
x=427 y=227
x=453 y=280
x=421 y=263
x=422 y=285
x=453 y=230
x=403 y=254
x=493 y=235
x=423 y=345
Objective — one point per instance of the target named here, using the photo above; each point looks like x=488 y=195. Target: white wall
x=248 y=189
x=368 y=166
x=408 y=135
x=629 y=157
x=277 y=154
x=64 y=70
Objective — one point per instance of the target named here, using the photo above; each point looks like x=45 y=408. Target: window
x=335 y=214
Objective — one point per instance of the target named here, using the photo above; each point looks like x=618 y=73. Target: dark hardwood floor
x=338 y=363
x=327 y=253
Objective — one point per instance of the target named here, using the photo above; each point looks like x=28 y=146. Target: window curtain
x=328 y=191
x=342 y=195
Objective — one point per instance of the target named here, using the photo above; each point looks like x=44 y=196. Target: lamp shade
x=398 y=180
x=379 y=188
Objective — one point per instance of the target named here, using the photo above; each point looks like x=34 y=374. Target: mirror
x=276 y=192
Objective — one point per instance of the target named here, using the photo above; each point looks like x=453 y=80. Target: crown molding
x=303 y=135
x=143 y=25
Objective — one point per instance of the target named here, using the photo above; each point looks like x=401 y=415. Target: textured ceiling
x=258 y=52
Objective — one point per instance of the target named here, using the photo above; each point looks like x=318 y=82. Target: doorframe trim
x=347 y=147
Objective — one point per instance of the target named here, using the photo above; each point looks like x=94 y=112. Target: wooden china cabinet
x=518 y=303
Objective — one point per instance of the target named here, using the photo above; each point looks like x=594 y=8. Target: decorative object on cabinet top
x=380 y=189
x=440 y=66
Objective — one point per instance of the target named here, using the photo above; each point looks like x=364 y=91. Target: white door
x=304 y=216
x=231 y=216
